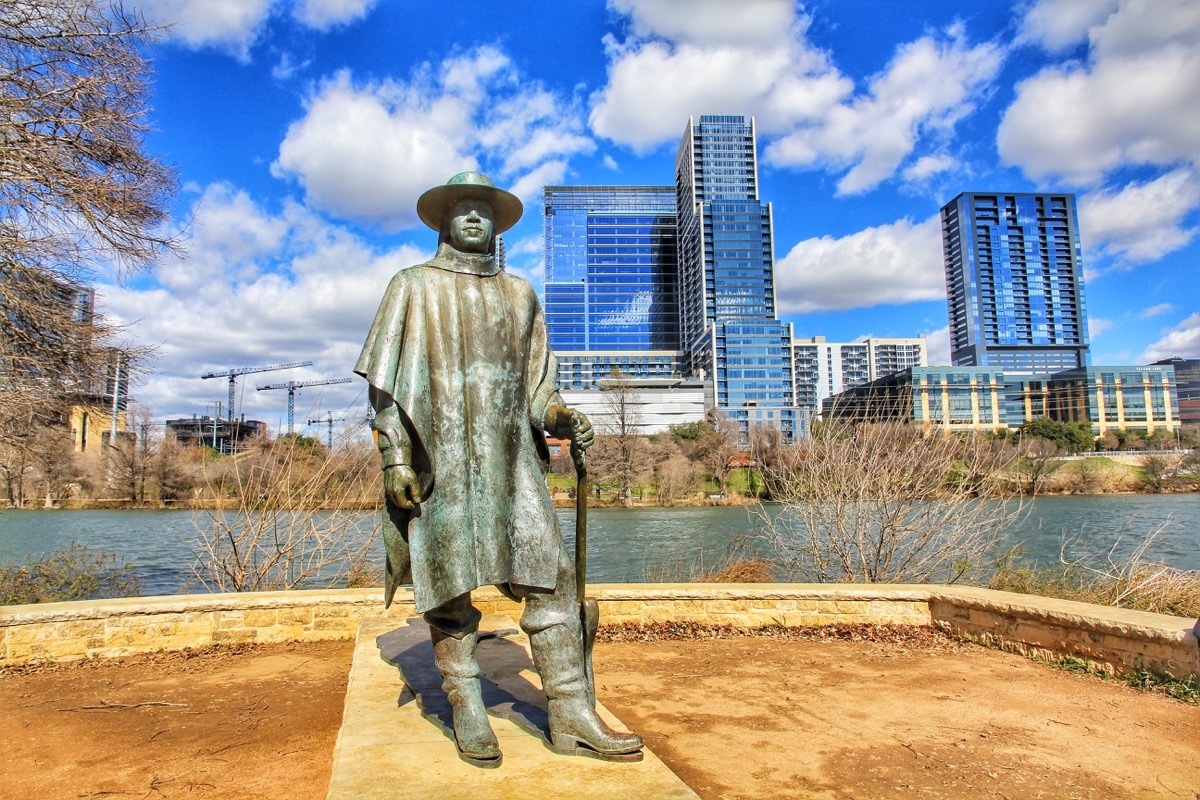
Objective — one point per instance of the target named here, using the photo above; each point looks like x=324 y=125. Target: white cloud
x=322 y=15
x=1098 y=325
x=724 y=60
x=231 y=26
x=937 y=345
x=927 y=88
x=1142 y=221
x=928 y=166
x=1154 y=311
x=266 y=289
x=366 y=152
x=1059 y=24
x=611 y=163
x=1136 y=100
x=894 y=264
x=748 y=22
x=234 y=26
x=1183 y=341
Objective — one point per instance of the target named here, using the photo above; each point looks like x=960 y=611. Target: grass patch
x=1187 y=689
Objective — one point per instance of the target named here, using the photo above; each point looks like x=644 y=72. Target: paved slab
x=397 y=746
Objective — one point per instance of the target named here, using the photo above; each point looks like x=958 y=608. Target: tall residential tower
x=1014 y=282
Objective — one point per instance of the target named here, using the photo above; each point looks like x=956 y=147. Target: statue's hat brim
x=506 y=208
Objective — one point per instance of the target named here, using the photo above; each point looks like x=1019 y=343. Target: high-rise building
x=670 y=281
x=727 y=274
x=1014 y=282
x=610 y=294
x=823 y=369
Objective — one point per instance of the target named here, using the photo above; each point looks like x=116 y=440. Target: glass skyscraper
x=727 y=273
x=664 y=281
x=1014 y=282
x=610 y=296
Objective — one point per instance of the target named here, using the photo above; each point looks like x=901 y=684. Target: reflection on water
x=624 y=545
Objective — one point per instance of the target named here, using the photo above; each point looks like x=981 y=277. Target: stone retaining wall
x=1113 y=639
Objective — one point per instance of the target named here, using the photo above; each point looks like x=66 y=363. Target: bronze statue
x=463 y=384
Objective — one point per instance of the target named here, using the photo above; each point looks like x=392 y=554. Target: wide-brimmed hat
x=506 y=208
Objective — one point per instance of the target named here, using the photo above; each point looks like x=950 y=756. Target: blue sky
x=304 y=131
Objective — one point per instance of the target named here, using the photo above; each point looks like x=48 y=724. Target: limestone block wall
x=1114 y=639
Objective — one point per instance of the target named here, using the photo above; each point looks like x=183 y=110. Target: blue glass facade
x=656 y=278
x=727 y=273
x=1014 y=282
x=610 y=268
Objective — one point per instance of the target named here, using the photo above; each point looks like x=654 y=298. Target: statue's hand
x=400 y=485
x=581 y=430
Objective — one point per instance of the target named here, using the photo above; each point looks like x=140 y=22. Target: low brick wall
x=1114 y=639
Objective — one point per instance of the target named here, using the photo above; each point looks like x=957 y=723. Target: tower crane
x=232 y=374
x=291 y=387
x=329 y=422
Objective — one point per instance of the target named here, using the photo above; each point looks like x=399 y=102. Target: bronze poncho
x=461 y=376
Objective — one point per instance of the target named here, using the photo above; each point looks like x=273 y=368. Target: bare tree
x=175 y=470
x=78 y=192
x=1040 y=458
x=717 y=447
x=1159 y=469
x=619 y=454
x=130 y=456
x=673 y=473
x=885 y=503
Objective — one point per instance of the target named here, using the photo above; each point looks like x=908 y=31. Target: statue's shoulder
x=518 y=285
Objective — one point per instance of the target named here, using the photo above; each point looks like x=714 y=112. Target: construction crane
x=291 y=387
x=329 y=421
x=232 y=374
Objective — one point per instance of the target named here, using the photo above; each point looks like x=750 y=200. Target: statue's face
x=471 y=226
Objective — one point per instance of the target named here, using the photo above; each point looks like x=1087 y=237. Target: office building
x=1108 y=397
x=727 y=275
x=822 y=369
x=956 y=398
x=1014 y=282
x=1187 y=387
x=610 y=292
x=644 y=405
x=985 y=399
x=664 y=282
x=220 y=434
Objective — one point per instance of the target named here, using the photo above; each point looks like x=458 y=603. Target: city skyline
x=304 y=131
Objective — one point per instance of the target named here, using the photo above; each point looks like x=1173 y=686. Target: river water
x=624 y=545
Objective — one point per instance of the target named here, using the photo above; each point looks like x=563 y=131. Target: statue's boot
x=575 y=729
x=473 y=734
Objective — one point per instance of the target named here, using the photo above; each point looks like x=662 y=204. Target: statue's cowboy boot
x=575 y=729
x=473 y=734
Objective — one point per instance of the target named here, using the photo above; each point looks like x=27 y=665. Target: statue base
x=396 y=740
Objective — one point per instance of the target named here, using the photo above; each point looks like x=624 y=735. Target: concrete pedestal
x=395 y=745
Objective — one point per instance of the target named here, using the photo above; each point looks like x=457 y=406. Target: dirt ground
x=901 y=716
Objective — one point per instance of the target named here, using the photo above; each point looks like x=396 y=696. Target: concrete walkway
x=396 y=746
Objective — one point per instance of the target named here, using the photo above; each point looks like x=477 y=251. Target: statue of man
x=463 y=384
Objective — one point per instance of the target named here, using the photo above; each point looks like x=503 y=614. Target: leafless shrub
x=884 y=503
x=1112 y=578
x=742 y=570
x=298 y=522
